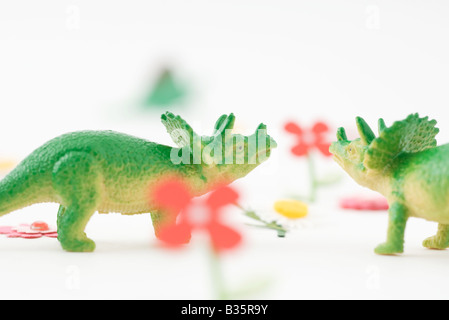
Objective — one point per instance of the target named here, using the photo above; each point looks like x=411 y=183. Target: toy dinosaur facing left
x=404 y=164
x=106 y=171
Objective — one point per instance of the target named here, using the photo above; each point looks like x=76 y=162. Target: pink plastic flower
x=37 y=229
x=363 y=203
x=309 y=139
x=174 y=196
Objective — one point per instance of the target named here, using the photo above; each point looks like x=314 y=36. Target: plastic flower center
x=292 y=209
x=308 y=138
x=39 y=226
x=199 y=216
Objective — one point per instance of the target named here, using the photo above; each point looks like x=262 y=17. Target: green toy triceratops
x=106 y=171
x=405 y=165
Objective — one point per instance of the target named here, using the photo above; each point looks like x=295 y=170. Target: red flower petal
x=319 y=128
x=293 y=128
x=175 y=235
x=323 y=148
x=51 y=234
x=30 y=235
x=5 y=230
x=300 y=150
x=14 y=234
x=223 y=237
x=172 y=195
x=222 y=197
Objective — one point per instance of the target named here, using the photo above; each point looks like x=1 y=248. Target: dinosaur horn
x=381 y=125
x=224 y=123
x=262 y=127
x=341 y=134
x=229 y=123
x=219 y=123
x=366 y=134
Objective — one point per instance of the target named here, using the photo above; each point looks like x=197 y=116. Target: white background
x=74 y=65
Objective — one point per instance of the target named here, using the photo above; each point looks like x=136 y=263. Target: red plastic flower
x=173 y=197
x=37 y=229
x=309 y=139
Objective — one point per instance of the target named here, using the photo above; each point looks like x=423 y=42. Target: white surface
x=328 y=255
x=73 y=65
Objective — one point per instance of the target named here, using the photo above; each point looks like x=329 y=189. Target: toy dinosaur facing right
x=106 y=171
x=404 y=164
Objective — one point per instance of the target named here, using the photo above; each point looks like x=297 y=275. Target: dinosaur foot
x=388 y=249
x=78 y=245
x=435 y=243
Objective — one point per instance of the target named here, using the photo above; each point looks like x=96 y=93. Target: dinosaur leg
x=61 y=211
x=396 y=229
x=440 y=241
x=161 y=220
x=78 y=182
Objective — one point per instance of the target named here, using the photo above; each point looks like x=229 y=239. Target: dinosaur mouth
x=260 y=156
x=263 y=154
x=338 y=159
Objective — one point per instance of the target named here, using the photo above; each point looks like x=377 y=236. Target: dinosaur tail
x=22 y=187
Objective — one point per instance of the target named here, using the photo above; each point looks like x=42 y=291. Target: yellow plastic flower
x=292 y=209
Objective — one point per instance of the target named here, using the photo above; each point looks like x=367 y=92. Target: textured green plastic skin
x=103 y=171
x=404 y=164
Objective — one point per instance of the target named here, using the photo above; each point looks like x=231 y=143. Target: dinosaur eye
x=351 y=150
x=240 y=148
